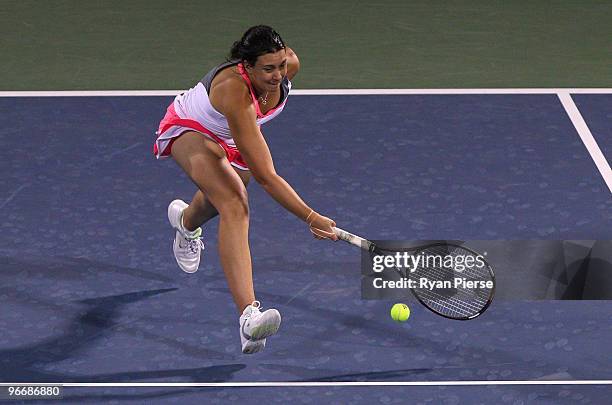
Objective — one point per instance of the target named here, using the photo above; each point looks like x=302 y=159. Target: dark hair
x=256 y=41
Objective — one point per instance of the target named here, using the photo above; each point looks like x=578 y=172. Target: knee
x=236 y=206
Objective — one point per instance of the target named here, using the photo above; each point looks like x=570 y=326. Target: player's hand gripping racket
x=448 y=279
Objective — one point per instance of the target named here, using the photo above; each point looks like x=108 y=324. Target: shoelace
x=194 y=244
x=256 y=305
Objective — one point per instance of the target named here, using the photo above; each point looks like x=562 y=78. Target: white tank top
x=195 y=104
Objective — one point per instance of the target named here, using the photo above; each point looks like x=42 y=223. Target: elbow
x=295 y=61
x=297 y=66
x=264 y=179
x=294 y=64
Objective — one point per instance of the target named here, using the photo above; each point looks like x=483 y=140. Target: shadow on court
x=96 y=320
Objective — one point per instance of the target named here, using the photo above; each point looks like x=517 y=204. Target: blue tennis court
x=91 y=292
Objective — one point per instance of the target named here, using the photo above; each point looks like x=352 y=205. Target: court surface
x=91 y=293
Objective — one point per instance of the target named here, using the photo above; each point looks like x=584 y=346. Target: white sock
x=190 y=234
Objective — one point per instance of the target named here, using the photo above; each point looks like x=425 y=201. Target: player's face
x=269 y=70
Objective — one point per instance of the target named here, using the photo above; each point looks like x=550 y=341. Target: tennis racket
x=448 y=279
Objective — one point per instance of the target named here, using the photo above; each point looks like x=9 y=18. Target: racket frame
x=373 y=248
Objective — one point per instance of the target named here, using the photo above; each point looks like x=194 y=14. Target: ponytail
x=256 y=41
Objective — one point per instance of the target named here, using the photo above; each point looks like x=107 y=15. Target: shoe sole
x=270 y=325
x=254 y=346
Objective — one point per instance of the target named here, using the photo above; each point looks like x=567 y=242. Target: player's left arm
x=293 y=63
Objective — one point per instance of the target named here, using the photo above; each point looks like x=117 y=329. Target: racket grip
x=352 y=239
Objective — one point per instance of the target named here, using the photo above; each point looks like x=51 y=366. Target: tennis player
x=213 y=133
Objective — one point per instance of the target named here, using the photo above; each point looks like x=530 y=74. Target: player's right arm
x=237 y=107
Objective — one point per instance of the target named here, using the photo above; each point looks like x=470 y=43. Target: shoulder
x=229 y=93
x=293 y=63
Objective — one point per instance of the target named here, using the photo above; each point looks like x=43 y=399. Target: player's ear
x=247 y=65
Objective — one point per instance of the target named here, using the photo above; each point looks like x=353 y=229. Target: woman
x=212 y=132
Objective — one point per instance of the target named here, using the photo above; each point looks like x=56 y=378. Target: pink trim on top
x=246 y=78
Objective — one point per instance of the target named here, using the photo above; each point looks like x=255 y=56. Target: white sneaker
x=256 y=326
x=187 y=245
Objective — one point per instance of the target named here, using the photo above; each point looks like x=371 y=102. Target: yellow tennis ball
x=400 y=312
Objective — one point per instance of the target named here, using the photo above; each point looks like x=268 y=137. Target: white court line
x=363 y=92
x=313 y=92
x=8 y=200
x=91 y=93
x=587 y=137
x=327 y=383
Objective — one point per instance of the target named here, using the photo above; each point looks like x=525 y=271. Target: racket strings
x=456 y=301
x=453 y=311
x=461 y=297
x=454 y=305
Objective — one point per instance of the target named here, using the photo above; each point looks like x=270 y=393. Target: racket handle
x=353 y=239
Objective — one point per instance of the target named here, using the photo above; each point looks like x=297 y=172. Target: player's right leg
x=207 y=166
x=201 y=210
x=188 y=220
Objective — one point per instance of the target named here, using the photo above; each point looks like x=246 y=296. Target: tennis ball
x=400 y=312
